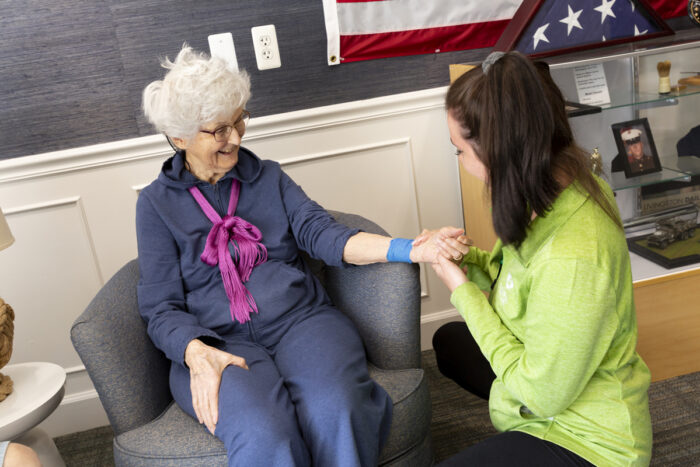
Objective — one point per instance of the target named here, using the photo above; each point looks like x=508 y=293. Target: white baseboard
x=430 y=323
x=78 y=412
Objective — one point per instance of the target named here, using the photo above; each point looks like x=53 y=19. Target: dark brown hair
x=516 y=116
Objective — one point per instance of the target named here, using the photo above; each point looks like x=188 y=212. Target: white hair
x=196 y=90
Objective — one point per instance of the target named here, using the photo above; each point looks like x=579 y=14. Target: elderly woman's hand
x=448 y=242
x=206 y=365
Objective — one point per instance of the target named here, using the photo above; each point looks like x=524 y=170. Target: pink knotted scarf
x=245 y=238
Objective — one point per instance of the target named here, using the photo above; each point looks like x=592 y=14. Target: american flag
x=572 y=23
x=368 y=29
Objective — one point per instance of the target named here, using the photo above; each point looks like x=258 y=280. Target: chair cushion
x=176 y=439
x=172 y=439
x=411 y=418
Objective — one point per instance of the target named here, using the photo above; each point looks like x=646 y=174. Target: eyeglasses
x=222 y=133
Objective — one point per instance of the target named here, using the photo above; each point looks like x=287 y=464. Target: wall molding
x=77 y=397
x=72 y=370
x=440 y=316
x=432 y=322
x=348 y=112
x=155 y=146
x=43 y=205
x=343 y=151
x=83 y=158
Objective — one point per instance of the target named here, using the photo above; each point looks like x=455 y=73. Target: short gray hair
x=196 y=90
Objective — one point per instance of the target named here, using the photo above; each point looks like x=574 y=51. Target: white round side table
x=38 y=388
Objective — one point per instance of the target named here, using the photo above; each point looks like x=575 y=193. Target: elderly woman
x=259 y=354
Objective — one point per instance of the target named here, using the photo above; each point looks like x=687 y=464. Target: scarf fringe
x=250 y=252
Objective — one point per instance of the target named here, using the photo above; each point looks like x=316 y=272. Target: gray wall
x=72 y=71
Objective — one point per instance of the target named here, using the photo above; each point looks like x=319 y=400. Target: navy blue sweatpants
x=306 y=399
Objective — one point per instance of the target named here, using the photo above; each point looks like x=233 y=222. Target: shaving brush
x=664 y=69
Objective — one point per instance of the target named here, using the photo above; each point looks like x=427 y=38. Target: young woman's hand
x=206 y=365
x=450 y=273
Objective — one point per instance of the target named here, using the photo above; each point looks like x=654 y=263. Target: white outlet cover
x=267 y=52
x=221 y=45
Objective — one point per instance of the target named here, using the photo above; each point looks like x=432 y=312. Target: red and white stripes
x=363 y=30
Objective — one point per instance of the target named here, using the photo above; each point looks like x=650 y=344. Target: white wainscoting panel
x=357 y=179
x=72 y=213
x=53 y=276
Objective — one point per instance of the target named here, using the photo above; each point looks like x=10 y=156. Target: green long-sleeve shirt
x=560 y=332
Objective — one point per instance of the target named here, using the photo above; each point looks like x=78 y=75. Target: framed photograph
x=636 y=147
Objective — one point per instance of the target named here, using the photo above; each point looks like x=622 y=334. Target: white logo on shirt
x=509 y=282
x=502 y=294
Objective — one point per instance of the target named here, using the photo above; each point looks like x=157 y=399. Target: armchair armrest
x=383 y=300
x=129 y=373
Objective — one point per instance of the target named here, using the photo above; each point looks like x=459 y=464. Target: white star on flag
x=605 y=10
x=589 y=23
x=631 y=4
x=539 y=35
x=637 y=32
x=571 y=21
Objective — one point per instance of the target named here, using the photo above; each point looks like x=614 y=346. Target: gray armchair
x=131 y=375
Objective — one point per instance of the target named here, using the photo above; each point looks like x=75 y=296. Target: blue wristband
x=400 y=250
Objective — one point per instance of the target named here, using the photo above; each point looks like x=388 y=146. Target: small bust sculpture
x=7 y=331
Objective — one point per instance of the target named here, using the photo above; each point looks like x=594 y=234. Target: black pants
x=460 y=359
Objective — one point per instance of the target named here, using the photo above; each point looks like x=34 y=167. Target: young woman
x=553 y=345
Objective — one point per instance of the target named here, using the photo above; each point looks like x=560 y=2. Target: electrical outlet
x=221 y=45
x=267 y=52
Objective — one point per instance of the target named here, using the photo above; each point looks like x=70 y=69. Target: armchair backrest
x=131 y=375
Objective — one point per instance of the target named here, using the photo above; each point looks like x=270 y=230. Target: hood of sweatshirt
x=175 y=175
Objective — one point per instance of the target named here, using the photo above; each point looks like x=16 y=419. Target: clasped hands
x=443 y=249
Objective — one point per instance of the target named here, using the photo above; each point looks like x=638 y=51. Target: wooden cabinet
x=477 y=211
x=668 y=320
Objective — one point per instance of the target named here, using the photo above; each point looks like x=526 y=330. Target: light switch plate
x=267 y=52
x=221 y=45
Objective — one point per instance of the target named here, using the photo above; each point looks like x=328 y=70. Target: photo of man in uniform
x=638 y=160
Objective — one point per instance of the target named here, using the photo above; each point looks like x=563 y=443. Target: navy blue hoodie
x=182 y=298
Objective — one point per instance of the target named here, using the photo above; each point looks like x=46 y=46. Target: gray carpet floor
x=461 y=419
